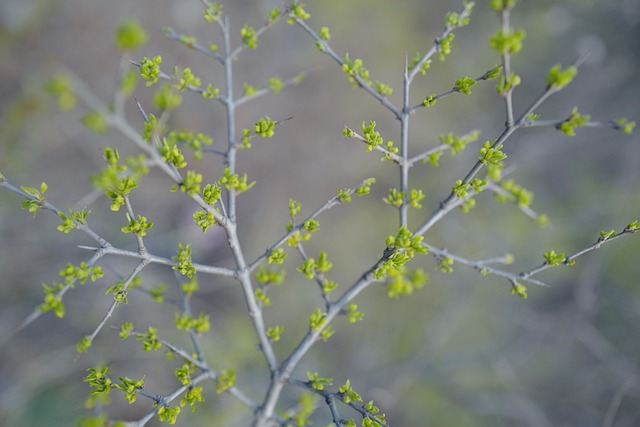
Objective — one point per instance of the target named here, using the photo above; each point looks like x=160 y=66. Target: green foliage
x=96 y=122
x=355 y=70
x=83 y=345
x=35 y=199
x=193 y=396
x=190 y=286
x=265 y=127
x=401 y=248
x=150 y=340
x=633 y=226
x=150 y=69
x=195 y=141
x=118 y=180
x=429 y=101
x=183 y=374
x=444 y=46
x=232 y=181
x=275 y=85
x=328 y=286
x=129 y=82
x=415 y=196
x=383 y=88
x=98 y=381
x=200 y=324
x=130 y=35
x=506 y=85
x=519 y=289
x=225 y=380
x=210 y=92
x=166 y=98
x=274 y=333
x=120 y=176
x=464 y=85
x=138 y=226
x=168 y=414
x=310 y=267
x=445 y=264
x=458 y=143
x=305 y=408
x=553 y=259
x=460 y=189
x=157 y=292
x=559 y=78
x=61 y=86
x=80 y=273
x=129 y=387
x=507 y=42
x=172 y=154
x=395 y=197
x=185 y=79
x=191 y=182
x=576 y=120
x=348 y=394
x=317 y=319
x=402 y=282
x=297 y=12
x=325 y=34
x=491 y=155
x=188 y=41
x=52 y=299
x=249 y=38
x=416 y=60
x=126 y=330
x=71 y=221
x=274 y=276
x=371 y=135
x=248 y=89
x=352 y=313
x=365 y=188
x=625 y=126
x=522 y=196
x=605 y=235
x=204 y=219
x=185 y=267
x=274 y=15
x=344 y=195
x=119 y=293
x=277 y=256
x=455 y=19
x=499 y=5
x=318 y=382
x=213 y=12
x=150 y=128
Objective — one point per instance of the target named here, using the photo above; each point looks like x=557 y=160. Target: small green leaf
x=559 y=78
x=464 y=85
x=130 y=35
x=150 y=69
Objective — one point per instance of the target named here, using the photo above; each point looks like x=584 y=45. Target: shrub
x=214 y=196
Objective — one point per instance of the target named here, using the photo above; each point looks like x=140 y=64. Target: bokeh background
x=460 y=352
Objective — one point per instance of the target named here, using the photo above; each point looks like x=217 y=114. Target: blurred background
x=462 y=351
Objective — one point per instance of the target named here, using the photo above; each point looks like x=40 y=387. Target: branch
x=291 y=81
x=436 y=45
x=330 y=398
x=485 y=76
x=173 y=35
x=632 y=228
x=364 y=85
x=335 y=200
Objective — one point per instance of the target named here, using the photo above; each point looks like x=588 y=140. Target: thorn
x=144 y=115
